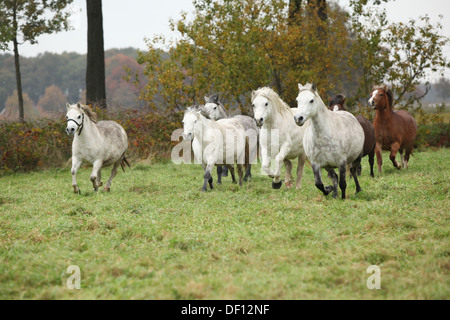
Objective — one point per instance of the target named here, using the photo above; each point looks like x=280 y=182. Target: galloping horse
x=394 y=130
x=337 y=103
x=215 y=110
x=332 y=139
x=215 y=143
x=102 y=143
x=276 y=119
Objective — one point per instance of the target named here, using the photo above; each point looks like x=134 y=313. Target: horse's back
x=114 y=134
x=343 y=142
x=369 y=134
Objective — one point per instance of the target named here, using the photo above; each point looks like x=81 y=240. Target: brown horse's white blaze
x=395 y=131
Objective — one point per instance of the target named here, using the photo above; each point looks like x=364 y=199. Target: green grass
x=157 y=236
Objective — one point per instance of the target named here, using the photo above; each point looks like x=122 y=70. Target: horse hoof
x=107 y=189
x=100 y=184
x=276 y=185
x=95 y=189
x=289 y=185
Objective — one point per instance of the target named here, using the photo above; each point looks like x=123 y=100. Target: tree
x=26 y=20
x=397 y=54
x=95 y=69
x=11 y=111
x=53 y=101
x=234 y=47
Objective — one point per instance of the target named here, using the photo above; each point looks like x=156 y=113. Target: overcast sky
x=127 y=23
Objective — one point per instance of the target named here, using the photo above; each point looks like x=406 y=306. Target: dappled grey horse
x=214 y=109
x=101 y=143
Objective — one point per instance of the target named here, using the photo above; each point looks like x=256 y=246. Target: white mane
x=280 y=106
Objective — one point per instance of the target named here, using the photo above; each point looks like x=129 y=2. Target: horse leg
x=394 y=149
x=284 y=150
x=318 y=179
x=408 y=152
x=371 y=161
x=248 y=172
x=99 y=182
x=379 y=156
x=300 y=166
x=288 y=175
x=342 y=182
x=224 y=171
x=219 y=174
x=113 y=174
x=76 y=163
x=354 y=167
x=334 y=178
x=240 y=169
x=231 y=169
x=248 y=166
x=207 y=178
x=94 y=175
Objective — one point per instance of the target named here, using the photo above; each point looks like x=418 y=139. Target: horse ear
x=253 y=95
x=79 y=105
x=313 y=86
x=300 y=87
x=206 y=98
x=67 y=106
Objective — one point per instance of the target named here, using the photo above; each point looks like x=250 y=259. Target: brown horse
x=394 y=130
x=336 y=104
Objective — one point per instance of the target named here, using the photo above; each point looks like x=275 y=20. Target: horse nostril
x=300 y=119
x=261 y=120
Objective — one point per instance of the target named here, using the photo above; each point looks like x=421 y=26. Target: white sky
x=127 y=23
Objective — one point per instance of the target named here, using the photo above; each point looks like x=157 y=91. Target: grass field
x=157 y=236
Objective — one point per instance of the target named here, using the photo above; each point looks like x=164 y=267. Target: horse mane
x=268 y=93
x=91 y=114
x=388 y=92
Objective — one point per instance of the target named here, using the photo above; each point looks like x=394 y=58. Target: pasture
x=157 y=236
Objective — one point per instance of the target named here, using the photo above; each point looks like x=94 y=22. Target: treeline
x=50 y=79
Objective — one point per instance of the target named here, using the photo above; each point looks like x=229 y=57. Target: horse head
x=214 y=108
x=308 y=101
x=381 y=98
x=74 y=118
x=337 y=102
x=190 y=120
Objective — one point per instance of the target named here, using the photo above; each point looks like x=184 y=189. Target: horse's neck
x=223 y=112
x=385 y=115
x=321 y=121
x=89 y=132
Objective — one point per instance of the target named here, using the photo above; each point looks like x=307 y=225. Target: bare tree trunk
x=95 y=69
x=17 y=65
x=295 y=7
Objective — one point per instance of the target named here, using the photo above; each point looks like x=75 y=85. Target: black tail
x=124 y=162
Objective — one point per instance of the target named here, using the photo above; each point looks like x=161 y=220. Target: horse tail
x=124 y=162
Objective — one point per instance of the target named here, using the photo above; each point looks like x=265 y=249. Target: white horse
x=102 y=144
x=277 y=121
x=332 y=139
x=215 y=110
x=215 y=143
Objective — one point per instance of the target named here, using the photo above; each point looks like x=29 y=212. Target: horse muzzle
x=188 y=136
x=259 y=122
x=71 y=130
x=299 y=120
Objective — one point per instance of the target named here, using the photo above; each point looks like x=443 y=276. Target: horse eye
x=79 y=116
x=215 y=108
x=381 y=94
x=311 y=101
x=266 y=104
x=253 y=105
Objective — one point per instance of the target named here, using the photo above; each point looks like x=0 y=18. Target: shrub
x=433 y=135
